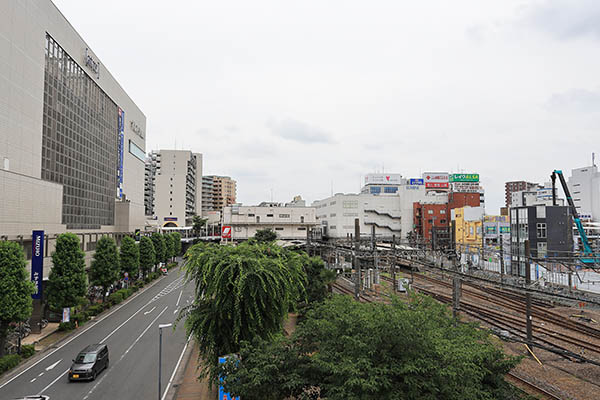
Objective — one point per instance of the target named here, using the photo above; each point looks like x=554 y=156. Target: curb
x=104 y=314
x=178 y=379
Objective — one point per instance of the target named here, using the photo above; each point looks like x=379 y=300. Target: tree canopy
x=160 y=248
x=197 y=223
x=169 y=245
x=130 y=257
x=147 y=255
x=265 y=235
x=67 y=280
x=177 y=243
x=105 y=267
x=15 y=288
x=344 y=349
x=242 y=292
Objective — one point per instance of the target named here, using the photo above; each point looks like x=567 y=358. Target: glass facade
x=79 y=141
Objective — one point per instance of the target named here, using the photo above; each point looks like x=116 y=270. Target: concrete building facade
x=584 y=184
x=70 y=136
x=175 y=179
x=517 y=186
x=288 y=222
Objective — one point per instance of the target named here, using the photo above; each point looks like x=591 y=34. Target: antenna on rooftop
x=593 y=159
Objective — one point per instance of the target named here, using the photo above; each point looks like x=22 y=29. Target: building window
x=375 y=190
x=278 y=229
x=541 y=211
x=350 y=204
x=332 y=203
x=332 y=215
x=302 y=228
x=251 y=215
x=542 y=249
x=269 y=215
x=442 y=211
x=430 y=212
x=302 y=219
x=137 y=151
x=390 y=189
x=284 y=215
x=258 y=219
x=332 y=227
x=442 y=221
x=541 y=230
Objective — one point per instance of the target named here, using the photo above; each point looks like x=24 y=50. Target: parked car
x=89 y=362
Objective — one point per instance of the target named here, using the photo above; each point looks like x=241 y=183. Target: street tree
x=169 y=245
x=265 y=235
x=241 y=292
x=177 y=243
x=130 y=257
x=105 y=267
x=15 y=288
x=68 y=280
x=319 y=279
x=159 y=247
x=345 y=349
x=147 y=255
x=197 y=224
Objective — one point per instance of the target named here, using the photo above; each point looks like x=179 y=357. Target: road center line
x=179 y=298
x=148 y=312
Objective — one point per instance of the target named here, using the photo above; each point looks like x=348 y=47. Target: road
x=131 y=332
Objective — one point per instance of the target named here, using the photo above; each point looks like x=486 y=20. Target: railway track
x=529 y=387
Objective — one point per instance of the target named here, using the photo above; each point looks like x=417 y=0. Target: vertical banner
x=121 y=143
x=37 y=262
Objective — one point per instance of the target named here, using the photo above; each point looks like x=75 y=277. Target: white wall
x=584 y=185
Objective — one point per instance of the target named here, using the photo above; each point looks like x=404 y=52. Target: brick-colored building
x=459 y=200
x=429 y=218
x=516 y=186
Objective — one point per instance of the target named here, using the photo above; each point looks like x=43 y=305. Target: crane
x=587 y=249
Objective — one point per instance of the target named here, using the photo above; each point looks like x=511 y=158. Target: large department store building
x=72 y=141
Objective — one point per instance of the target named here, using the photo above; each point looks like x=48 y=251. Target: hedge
x=27 y=350
x=8 y=362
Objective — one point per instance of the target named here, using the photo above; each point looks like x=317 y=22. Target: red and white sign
x=226 y=232
x=436 y=180
x=392 y=179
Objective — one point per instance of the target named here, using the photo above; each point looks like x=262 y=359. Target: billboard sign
x=415 y=181
x=465 y=187
x=464 y=178
x=121 y=144
x=436 y=180
x=37 y=262
x=170 y=218
x=226 y=232
x=393 y=179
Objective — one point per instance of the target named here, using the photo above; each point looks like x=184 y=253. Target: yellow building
x=467 y=227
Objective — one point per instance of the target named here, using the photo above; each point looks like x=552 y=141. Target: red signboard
x=226 y=232
x=437 y=185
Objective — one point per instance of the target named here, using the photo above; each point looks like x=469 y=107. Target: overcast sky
x=299 y=97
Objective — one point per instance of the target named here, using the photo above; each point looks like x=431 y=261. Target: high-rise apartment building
x=584 y=185
x=517 y=186
x=173 y=186
x=221 y=190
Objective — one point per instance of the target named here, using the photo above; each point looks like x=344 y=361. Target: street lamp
x=160 y=328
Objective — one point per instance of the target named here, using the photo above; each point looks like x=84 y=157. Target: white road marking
x=179 y=298
x=148 y=312
x=75 y=337
x=176 y=367
x=142 y=334
x=40 y=374
x=33 y=380
x=53 y=382
x=53 y=365
x=175 y=312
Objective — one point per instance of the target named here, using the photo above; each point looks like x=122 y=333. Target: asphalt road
x=132 y=335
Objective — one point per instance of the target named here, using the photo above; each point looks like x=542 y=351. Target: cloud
x=565 y=19
x=299 y=131
x=575 y=100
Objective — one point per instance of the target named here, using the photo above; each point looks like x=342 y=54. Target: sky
x=306 y=97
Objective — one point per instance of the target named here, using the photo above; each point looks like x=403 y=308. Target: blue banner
x=222 y=394
x=37 y=262
x=121 y=144
x=414 y=181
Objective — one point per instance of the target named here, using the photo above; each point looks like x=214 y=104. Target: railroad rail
x=521 y=382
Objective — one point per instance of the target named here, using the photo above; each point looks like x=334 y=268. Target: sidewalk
x=36 y=338
x=190 y=387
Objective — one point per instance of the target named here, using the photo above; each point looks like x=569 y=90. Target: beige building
x=175 y=181
x=72 y=141
x=288 y=222
x=224 y=191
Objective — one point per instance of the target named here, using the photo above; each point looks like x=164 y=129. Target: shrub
x=80 y=319
x=8 y=362
x=95 y=310
x=115 y=298
x=66 y=326
x=27 y=350
x=171 y=265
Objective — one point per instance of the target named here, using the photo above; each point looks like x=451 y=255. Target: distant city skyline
x=290 y=97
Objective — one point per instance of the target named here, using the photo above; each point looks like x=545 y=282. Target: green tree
x=105 y=267
x=319 y=279
x=15 y=288
x=350 y=350
x=130 y=257
x=242 y=292
x=169 y=246
x=177 y=243
x=147 y=255
x=160 y=247
x=197 y=224
x=68 y=279
x=265 y=235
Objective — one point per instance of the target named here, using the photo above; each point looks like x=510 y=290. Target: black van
x=89 y=362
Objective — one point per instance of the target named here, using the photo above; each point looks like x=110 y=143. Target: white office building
x=584 y=185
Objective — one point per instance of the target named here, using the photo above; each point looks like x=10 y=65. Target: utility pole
x=501 y=258
x=357 y=286
x=528 y=294
x=456 y=292
x=374 y=249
